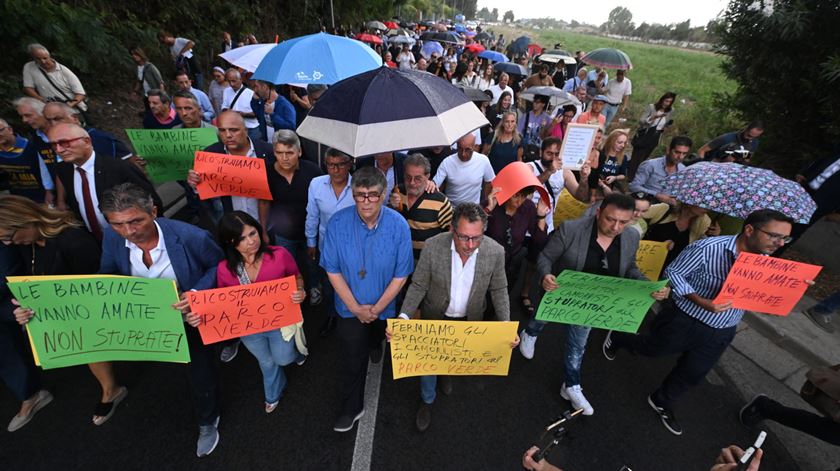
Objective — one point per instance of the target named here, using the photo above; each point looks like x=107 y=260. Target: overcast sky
x=596 y=12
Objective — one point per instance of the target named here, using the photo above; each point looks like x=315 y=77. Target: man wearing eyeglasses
x=328 y=194
x=367 y=256
x=428 y=213
x=694 y=326
x=597 y=245
x=85 y=178
x=456 y=273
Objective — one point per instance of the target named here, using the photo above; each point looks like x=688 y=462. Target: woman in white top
x=486 y=81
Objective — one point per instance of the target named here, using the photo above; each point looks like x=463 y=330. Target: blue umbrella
x=520 y=45
x=317 y=58
x=494 y=56
x=430 y=48
x=386 y=110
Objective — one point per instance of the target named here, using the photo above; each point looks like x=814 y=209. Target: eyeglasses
x=65 y=143
x=338 y=165
x=776 y=237
x=463 y=238
x=373 y=197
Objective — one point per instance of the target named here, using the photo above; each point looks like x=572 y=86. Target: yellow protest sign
x=650 y=258
x=567 y=208
x=423 y=347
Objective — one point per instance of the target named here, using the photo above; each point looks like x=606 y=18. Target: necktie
x=90 y=212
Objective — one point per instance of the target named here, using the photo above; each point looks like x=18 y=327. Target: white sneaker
x=526 y=345
x=575 y=395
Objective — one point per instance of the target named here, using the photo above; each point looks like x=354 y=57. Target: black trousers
x=17 y=368
x=203 y=377
x=357 y=341
x=815 y=425
x=673 y=331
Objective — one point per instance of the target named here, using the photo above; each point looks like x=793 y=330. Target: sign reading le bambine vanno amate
x=79 y=320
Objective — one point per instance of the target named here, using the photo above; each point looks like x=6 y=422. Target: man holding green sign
x=169 y=153
x=597 y=246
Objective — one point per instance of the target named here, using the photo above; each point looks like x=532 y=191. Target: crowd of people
x=397 y=234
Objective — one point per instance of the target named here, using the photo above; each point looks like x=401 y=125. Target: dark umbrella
x=511 y=69
x=608 y=58
x=447 y=37
x=482 y=36
x=385 y=110
x=520 y=45
x=474 y=94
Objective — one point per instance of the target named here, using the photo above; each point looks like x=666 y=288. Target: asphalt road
x=486 y=424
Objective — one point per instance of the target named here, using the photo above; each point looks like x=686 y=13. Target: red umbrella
x=534 y=49
x=475 y=48
x=369 y=38
x=391 y=25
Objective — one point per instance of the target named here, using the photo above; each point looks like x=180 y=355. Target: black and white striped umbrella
x=387 y=110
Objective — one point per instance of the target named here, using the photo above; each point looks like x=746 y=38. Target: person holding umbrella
x=617 y=92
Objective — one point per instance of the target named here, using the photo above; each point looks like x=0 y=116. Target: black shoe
x=329 y=326
x=377 y=353
x=424 y=417
x=345 y=422
x=750 y=414
x=667 y=417
x=445 y=384
x=608 y=349
x=823 y=321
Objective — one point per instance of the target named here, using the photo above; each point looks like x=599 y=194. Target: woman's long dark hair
x=229 y=234
x=658 y=106
x=499 y=103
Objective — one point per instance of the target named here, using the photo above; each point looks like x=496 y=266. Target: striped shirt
x=702 y=268
x=430 y=215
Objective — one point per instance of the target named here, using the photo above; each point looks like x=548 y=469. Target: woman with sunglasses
x=52 y=242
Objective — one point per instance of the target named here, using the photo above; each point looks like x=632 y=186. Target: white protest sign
x=576 y=145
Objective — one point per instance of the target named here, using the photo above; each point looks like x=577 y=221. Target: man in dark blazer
x=389 y=163
x=138 y=243
x=597 y=245
x=86 y=178
x=456 y=272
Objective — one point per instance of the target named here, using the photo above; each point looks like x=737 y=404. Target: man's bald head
x=465 y=147
x=232 y=132
x=229 y=118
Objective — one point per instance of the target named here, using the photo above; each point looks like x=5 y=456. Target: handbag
x=822 y=390
x=645 y=137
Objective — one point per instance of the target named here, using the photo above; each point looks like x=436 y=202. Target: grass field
x=695 y=77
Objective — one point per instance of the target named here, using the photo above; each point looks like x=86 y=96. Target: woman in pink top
x=250 y=260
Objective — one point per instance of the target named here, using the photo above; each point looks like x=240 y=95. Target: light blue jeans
x=272 y=353
x=609 y=113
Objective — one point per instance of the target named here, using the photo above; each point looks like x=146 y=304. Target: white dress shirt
x=462 y=280
x=241 y=203
x=77 y=191
x=161 y=266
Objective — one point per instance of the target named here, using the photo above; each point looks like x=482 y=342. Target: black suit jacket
x=828 y=196
x=108 y=173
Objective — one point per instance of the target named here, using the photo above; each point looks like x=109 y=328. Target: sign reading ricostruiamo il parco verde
x=603 y=302
x=426 y=347
x=89 y=319
x=169 y=153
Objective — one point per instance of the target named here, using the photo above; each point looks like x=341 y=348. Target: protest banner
x=650 y=258
x=169 y=152
x=602 y=302
x=568 y=208
x=513 y=178
x=766 y=284
x=231 y=175
x=577 y=142
x=425 y=347
x=90 y=318
x=237 y=311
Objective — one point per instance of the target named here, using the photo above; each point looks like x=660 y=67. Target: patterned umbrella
x=738 y=190
x=608 y=58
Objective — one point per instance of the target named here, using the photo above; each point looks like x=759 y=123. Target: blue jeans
x=576 y=337
x=609 y=113
x=272 y=353
x=428 y=389
x=829 y=304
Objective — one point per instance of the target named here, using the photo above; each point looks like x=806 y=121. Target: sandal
x=104 y=410
x=527 y=306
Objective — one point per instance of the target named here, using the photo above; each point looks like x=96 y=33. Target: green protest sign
x=89 y=319
x=169 y=153
x=603 y=302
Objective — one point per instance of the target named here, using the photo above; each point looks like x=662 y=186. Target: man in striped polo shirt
x=694 y=326
x=428 y=214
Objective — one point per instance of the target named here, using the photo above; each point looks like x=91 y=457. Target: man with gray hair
x=46 y=80
x=31 y=112
x=457 y=271
x=160 y=114
x=139 y=243
x=237 y=98
x=427 y=213
x=367 y=256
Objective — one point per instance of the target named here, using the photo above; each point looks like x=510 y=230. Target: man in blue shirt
x=327 y=195
x=695 y=326
x=367 y=256
x=182 y=79
x=650 y=177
